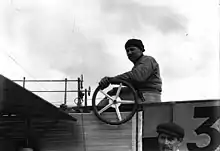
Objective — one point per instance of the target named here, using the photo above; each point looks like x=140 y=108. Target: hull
x=88 y=133
x=27 y=121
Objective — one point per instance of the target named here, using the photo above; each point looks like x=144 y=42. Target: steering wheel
x=114 y=103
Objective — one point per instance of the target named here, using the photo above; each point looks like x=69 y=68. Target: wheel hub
x=115 y=102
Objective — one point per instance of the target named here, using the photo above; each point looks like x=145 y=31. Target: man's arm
x=138 y=74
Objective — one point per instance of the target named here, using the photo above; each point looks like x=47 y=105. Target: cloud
x=58 y=39
x=129 y=16
x=54 y=41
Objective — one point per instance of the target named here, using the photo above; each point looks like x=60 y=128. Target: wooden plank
x=103 y=137
x=63 y=136
x=43 y=134
x=94 y=135
x=88 y=133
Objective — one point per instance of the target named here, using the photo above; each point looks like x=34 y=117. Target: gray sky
x=55 y=39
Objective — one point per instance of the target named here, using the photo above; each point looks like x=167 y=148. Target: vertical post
x=79 y=89
x=81 y=82
x=137 y=138
x=85 y=105
x=89 y=91
x=85 y=97
x=23 y=82
x=65 y=90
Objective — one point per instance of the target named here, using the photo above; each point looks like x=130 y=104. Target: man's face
x=133 y=53
x=167 y=142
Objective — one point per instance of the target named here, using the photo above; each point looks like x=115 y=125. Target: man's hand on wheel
x=104 y=83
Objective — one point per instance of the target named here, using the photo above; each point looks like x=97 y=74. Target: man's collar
x=138 y=59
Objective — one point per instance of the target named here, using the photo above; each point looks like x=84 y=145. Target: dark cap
x=171 y=129
x=135 y=42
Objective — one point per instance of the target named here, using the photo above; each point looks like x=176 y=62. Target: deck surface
x=86 y=134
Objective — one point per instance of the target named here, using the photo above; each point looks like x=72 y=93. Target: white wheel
x=114 y=103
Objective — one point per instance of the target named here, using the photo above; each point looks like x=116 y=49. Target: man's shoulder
x=148 y=58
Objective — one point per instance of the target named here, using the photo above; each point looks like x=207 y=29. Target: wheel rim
x=114 y=103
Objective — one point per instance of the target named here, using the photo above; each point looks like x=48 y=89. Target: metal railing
x=80 y=92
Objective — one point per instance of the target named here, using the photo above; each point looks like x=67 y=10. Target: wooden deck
x=87 y=134
x=99 y=136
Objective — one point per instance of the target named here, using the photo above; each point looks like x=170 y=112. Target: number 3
x=213 y=114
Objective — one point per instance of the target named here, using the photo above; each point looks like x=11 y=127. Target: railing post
x=86 y=106
x=23 y=82
x=81 y=82
x=85 y=97
x=79 y=103
x=65 y=90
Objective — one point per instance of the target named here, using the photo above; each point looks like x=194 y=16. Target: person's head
x=170 y=136
x=134 y=49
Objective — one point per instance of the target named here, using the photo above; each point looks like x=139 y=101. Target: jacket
x=144 y=76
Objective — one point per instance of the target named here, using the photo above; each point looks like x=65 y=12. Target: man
x=145 y=74
x=170 y=136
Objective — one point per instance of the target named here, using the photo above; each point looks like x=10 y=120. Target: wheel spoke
x=118 y=112
x=126 y=102
x=105 y=108
x=118 y=91
x=108 y=96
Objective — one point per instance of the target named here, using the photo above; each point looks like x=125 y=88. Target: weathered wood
x=88 y=133
x=99 y=136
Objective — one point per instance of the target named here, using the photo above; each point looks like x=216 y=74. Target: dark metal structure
x=25 y=118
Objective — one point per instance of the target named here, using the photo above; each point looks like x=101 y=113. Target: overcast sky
x=57 y=39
